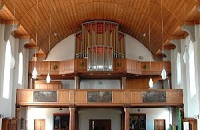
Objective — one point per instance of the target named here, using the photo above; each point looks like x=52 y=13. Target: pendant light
x=34 y=73
x=12 y=58
x=150 y=79
x=185 y=51
x=163 y=73
x=48 y=78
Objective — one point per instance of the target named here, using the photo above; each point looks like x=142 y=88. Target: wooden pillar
x=31 y=83
x=17 y=112
x=123 y=83
x=72 y=124
x=77 y=82
x=126 y=121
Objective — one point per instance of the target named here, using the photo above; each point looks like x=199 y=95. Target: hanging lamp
x=163 y=72
x=12 y=58
x=48 y=78
x=34 y=72
x=150 y=79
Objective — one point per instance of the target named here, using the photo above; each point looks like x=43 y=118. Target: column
x=17 y=112
x=123 y=83
x=72 y=124
x=77 y=82
x=126 y=121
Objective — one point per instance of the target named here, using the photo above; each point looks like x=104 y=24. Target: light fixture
x=185 y=55
x=185 y=51
x=12 y=58
x=150 y=83
x=163 y=73
x=150 y=79
x=48 y=78
x=12 y=61
x=34 y=72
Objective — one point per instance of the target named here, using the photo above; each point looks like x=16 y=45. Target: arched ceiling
x=133 y=16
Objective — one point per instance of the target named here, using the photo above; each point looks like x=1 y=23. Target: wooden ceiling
x=133 y=16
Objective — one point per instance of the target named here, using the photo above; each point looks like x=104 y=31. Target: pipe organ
x=100 y=42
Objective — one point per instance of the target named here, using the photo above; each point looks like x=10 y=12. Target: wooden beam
x=169 y=47
x=21 y=36
x=9 y=22
x=174 y=37
x=31 y=46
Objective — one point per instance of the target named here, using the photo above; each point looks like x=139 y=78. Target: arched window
x=7 y=65
x=20 y=70
x=192 y=81
x=178 y=66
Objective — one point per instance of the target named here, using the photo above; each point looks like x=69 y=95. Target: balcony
x=125 y=67
x=100 y=97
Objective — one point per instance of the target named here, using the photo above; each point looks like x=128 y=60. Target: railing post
x=77 y=82
x=126 y=121
x=123 y=83
x=72 y=124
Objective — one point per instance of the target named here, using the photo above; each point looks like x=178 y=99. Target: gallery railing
x=100 y=97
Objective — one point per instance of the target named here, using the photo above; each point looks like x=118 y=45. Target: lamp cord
x=150 y=37
x=162 y=34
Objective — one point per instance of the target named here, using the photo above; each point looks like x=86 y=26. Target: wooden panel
x=44 y=66
x=66 y=67
x=39 y=124
x=175 y=96
x=25 y=96
x=81 y=96
x=135 y=96
x=9 y=124
x=81 y=65
x=159 y=124
x=63 y=96
x=155 y=68
x=44 y=85
x=119 y=95
x=133 y=67
x=54 y=67
x=137 y=83
x=141 y=82
x=119 y=65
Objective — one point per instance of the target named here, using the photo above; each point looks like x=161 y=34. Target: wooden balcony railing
x=100 y=97
x=120 y=66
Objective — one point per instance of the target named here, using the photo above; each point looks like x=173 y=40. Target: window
x=7 y=65
x=192 y=81
x=178 y=69
x=20 y=70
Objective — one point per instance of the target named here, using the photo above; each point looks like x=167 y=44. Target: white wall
x=7 y=109
x=2 y=48
x=85 y=114
x=134 y=49
x=154 y=113
x=68 y=84
x=63 y=50
x=100 y=84
x=97 y=113
x=66 y=49
x=43 y=113
x=92 y=84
